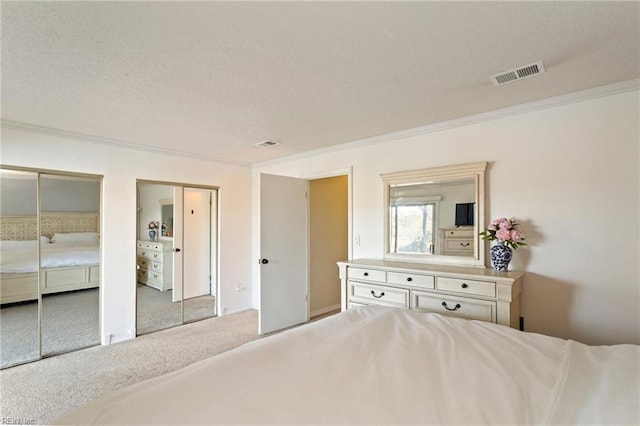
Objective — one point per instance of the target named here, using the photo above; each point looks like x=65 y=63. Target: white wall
x=570 y=174
x=120 y=168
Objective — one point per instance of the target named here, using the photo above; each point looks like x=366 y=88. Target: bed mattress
x=376 y=365
x=23 y=258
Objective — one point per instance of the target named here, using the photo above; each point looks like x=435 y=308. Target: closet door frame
x=38 y=174
x=214 y=241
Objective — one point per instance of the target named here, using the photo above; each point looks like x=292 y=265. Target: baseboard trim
x=324 y=310
x=234 y=310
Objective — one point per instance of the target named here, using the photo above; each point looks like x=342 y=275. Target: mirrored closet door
x=198 y=233
x=19 y=307
x=69 y=262
x=175 y=255
x=50 y=263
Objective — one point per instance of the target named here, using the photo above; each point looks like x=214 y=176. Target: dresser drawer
x=459 y=233
x=378 y=294
x=464 y=286
x=150 y=275
x=150 y=245
x=154 y=265
x=142 y=276
x=482 y=310
x=151 y=278
x=155 y=276
x=146 y=253
x=417 y=280
x=143 y=263
x=459 y=245
x=367 y=274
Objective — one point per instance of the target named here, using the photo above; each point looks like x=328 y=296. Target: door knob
x=177 y=250
x=263 y=261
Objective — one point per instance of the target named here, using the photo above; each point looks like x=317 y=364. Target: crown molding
x=42 y=130
x=553 y=102
x=598 y=92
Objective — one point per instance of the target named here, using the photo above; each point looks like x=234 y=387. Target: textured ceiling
x=214 y=78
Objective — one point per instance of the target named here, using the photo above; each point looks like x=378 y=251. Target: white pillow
x=76 y=238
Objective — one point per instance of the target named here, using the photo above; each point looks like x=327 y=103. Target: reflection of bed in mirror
x=69 y=249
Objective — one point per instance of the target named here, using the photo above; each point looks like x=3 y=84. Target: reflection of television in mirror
x=465 y=212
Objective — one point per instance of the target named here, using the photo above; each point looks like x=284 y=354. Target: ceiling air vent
x=266 y=144
x=517 y=74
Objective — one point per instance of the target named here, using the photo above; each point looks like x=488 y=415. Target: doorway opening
x=328 y=242
x=305 y=228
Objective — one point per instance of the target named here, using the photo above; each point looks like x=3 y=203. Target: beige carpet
x=156 y=310
x=39 y=392
x=70 y=321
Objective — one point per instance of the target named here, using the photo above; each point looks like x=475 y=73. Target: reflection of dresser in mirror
x=155 y=261
x=457 y=241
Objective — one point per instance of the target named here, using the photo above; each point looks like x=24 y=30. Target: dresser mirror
x=166 y=219
x=433 y=215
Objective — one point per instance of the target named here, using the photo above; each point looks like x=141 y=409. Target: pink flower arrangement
x=154 y=224
x=504 y=231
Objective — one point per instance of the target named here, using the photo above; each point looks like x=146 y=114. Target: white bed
x=377 y=365
x=70 y=262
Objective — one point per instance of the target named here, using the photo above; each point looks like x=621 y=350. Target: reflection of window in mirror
x=412 y=225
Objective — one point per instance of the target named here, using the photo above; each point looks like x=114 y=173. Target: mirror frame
x=437 y=174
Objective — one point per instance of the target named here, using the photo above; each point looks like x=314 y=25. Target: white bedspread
x=375 y=365
x=20 y=258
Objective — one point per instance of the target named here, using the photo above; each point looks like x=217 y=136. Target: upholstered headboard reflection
x=21 y=228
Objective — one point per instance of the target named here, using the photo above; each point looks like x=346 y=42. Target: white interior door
x=177 y=243
x=197 y=244
x=283 y=251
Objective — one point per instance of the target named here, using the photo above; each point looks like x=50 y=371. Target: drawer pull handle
x=464 y=244
x=409 y=279
x=451 y=309
x=464 y=285
x=155 y=255
x=366 y=274
x=373 y=293
x=144 y=253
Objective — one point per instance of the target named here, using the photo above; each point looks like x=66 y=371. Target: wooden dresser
x=468 y=292
x=155 y=262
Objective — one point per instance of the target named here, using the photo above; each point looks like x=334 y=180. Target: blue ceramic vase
x=152 y=234
x=501 y=256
